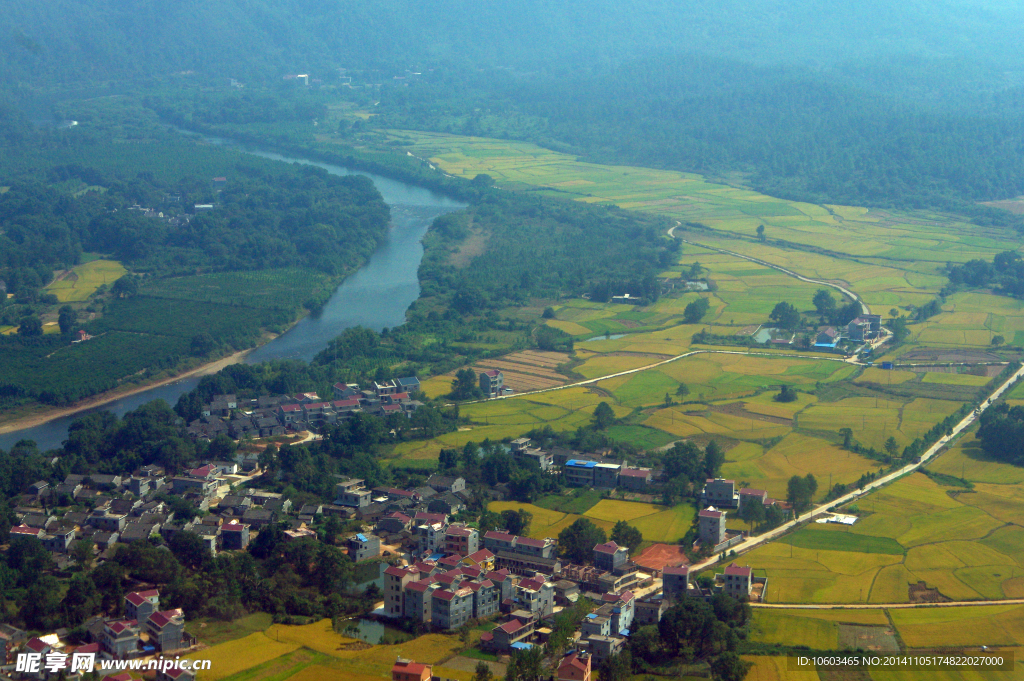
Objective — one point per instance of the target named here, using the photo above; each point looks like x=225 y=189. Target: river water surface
x=376 y=296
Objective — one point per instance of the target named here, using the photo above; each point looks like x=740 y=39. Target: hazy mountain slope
x=71 y=40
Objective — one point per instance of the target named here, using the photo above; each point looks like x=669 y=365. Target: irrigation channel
x=376 y=296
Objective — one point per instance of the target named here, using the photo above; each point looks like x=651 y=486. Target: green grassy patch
x=828 y=539
x=579 y=502
x=645 y=438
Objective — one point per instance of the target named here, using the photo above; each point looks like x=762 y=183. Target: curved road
x=846 y=292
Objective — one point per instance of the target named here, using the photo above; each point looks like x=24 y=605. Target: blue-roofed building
x=827 y=338
x=579 y=472
x=363 y=547
x=408 y=384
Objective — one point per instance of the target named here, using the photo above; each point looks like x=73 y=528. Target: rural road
x=932 y=451
x=884 y=606
x=691 y=353
x=846 y=292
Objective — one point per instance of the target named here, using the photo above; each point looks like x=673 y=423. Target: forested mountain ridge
x=69 y=42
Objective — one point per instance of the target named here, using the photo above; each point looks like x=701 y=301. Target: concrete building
x=574 y=667
x=711 y=526
x=720 y=492
x=139 y=605
x=635 y=479
x=451 y=609
x=579 y=472
x=606 y=475
x=738 y=581
x=492 y=383
x=461 y=539
x=235 y=536
x=396 y=579
x=746 y=495
x=407 y=670
x=352 y=493
x=363 y=547
x=610 y=556
x=675 y=582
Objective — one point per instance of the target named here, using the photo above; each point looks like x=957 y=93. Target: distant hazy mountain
x=86 y=40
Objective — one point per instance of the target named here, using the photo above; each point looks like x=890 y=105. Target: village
x=439 y=573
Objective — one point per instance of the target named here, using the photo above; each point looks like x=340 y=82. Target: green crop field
x=282 y=289
x=84 y=280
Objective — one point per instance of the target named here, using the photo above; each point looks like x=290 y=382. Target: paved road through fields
x=932 y=451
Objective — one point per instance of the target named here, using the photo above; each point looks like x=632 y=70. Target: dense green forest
x=71 y=42
x=270 y=240
x=797 y=133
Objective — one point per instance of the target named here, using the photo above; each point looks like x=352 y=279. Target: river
x=376 y=296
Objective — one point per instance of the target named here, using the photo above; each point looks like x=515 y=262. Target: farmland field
x=911 y=531
x=83 y=281
x=656 y=523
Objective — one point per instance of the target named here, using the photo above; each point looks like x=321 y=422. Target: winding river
x=376 y=296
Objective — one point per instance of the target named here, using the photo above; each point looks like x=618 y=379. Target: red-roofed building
x=492 y=382
x=482 y=559
x=511 y=632
x=120 y=638
x=747 y=495
x=738 y=581
x=635 y=479
x=610 y=556
x=139 y=605
x=675 y=582
x=290 y=413
x=234 y=535
x=395 y=580
x=37 y=645
x=711 y=524
x=407 y=670
x=461 y=539
x=166 y=629
x=574 y=667
x=203 y=472
x=26 y=531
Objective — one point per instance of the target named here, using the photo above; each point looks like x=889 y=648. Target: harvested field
x=948 y=355
x=660 y=556
x=739 y=409
x=879 y=639
x=527 y=370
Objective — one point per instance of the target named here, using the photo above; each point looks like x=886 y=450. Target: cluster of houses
x=718 y=495
x=581 y=472
x=272 y=415
x=864 y=328
x=144 y=630
x=122 y=510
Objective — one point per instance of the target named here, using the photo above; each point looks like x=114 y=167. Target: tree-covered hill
x=68 y=41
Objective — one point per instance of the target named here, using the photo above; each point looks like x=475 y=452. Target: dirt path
x=42 y=417
x=845 y=291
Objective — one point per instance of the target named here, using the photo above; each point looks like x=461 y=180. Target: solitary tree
x=760 y=233
x=753 y=513
x=578 y=540
x=626 y=535
x=847 y=434
x=787 y=394
x=30 y=326
x=824 y=303
x=785 y=315
x=66 y=319
x=682 y=390
x=603 y=416
x=891 y=447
